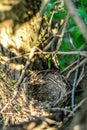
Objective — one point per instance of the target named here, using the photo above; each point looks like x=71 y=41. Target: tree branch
x=79 y=22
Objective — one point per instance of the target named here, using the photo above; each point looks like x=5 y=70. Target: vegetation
x=42 y=48
x=73 y=38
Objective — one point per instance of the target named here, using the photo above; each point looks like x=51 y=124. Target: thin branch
x=76 y=17
x=26 y=65
x=81 y=76
x=74 y=84
x=44 y=3
x=82 y=53
x=75 y=109
x=58 y=109
x=70 y=66
x=50 y=43
x=62 y=34
x=77 y=66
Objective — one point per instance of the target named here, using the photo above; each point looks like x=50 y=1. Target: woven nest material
x=48 y=87
x=38 y=92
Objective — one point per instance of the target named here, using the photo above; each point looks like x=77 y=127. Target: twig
x=76 y=17
x=77 y=66
x=70 y=66
x=71 y=42
x=44 y=3
x=26 y=65
x=50 y=43
x=58 y=109
x=50 y=22
x=81 y=76
x=58 y=43
x=74 y=83
x=82 y=53
x=74 y=110
x=62 y=34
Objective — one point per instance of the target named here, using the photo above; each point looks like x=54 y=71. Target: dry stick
x=50 y=22
x=81 y=76
x=55 y=36
x=59 y=41
x=50 y=43
x=71 y=65
x=44 y=3
x=74 y=110
x=77 y=66
x=16 y=57
x=74 y=84
x=58 y=108
x=26 y=65
x=82 y=53
x=76 y=17
x=62 y=34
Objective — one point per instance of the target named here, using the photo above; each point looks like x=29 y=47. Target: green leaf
x=72 y=29
x=19 y=110
x=77 y=37
x=79 y=43
x=71 y=22
x=82 y=13
x=65 y=46
x=62 y=64
x=50 y=6
x=49 y=62
x=76 y=33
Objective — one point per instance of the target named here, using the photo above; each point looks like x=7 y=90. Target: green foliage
x=59 y=13
x=49 y=62
x=56 y=9
x=78 y=39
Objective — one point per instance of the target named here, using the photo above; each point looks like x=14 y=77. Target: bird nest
x=48 y=87
x=38 y=93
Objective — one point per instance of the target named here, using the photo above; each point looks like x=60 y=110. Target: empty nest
x=39 y=92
